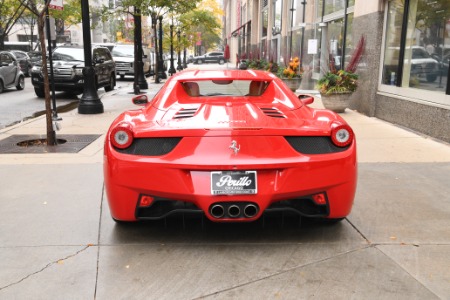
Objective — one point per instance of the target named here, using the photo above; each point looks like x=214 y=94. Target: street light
x=139 y=79
x=303 y=33
x=156 y=60
x=161 y=72
x=89 y=102
x=184 y=51
x=179 y=67
x=172 y=67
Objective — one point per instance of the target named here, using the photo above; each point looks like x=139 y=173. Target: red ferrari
x=232 y=145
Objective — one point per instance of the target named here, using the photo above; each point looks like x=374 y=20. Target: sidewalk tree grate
x=67 y=143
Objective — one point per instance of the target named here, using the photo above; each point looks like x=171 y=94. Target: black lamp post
x=172 y=67
x=139 y=81
x=89 y=102
x=161 y=72
x=303 y=33
x=179 y=67
x=156 y=60
x=184 y=51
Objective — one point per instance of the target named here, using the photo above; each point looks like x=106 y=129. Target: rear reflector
x=146 y=201
x=319 y=199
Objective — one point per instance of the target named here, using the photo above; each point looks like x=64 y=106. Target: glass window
x=278 y=4
x=426 y=47
x=332 y=6
x=393 y=37
x=265 y=22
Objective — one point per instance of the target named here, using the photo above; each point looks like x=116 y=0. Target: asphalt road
x=17 y=106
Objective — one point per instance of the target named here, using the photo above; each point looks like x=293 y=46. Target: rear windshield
x=208 y=88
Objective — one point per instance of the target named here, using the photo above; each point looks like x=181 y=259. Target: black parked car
x=24 y=61
x=68 y=64
x=210 y=57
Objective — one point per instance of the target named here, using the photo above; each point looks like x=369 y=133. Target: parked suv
x=123 y=55
x=10 y=73
x=68 y=64
x=210 y=57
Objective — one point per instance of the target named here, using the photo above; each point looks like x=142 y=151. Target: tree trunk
x=51 y=136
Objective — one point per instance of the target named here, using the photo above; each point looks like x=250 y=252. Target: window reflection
x=427 y=45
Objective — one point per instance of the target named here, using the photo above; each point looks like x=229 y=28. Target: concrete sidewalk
x=57 y=240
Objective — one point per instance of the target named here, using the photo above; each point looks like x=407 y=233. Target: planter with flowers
x=336 y=86
x=292 y=74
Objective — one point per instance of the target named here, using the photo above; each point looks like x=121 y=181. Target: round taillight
x=121 y=137
x=342 y=135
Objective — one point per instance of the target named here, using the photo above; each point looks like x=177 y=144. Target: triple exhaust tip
x=234 y=211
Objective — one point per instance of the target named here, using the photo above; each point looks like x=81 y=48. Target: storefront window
x=332 y=6
x=335 y=40
x=278 y=4
x=426 y=48
x=265 y=22
x=393 y=37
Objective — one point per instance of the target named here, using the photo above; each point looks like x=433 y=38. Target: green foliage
x=338 y=82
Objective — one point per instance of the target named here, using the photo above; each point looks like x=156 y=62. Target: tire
x=1 y=87
x=221 y=61
x=21 y=84
x=199 y=61
x=39 y=92
x=431 y=77
x=111 y=85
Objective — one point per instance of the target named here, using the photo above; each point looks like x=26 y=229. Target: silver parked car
x=10 y=73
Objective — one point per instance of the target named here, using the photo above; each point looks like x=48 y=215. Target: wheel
x=39 y=92
x=199 y=61
x=21 y=84
x=431 y=77
x=1 y=87
x=111 y=85
x=221 y=61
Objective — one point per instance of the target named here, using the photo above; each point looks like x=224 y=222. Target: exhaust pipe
x=234 y=211
x=250 y=210
x=217 y=211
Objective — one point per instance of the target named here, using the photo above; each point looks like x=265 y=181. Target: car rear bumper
x=282 y=184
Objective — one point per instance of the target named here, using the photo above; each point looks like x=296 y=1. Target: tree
x=39 y=9
x=10 y=13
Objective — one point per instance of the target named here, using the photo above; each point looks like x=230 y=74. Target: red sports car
x=232 y=145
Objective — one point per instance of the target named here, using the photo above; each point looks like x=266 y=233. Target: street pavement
x=57 y=240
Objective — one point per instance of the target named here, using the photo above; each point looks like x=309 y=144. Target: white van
x=123 y=55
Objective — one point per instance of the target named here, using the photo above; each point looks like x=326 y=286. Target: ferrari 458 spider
x=232 y=145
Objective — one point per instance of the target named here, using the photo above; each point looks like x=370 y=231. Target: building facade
x=404 y=72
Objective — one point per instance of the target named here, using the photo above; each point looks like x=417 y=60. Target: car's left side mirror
x=141 y=100
x=306 y=99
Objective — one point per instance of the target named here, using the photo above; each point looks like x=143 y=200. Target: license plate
x=121 y=73
x=233 y=182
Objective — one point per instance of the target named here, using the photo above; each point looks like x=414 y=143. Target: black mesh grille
x=151 y=146
x=272 y=112
x=185 y=113
x=314 y=144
